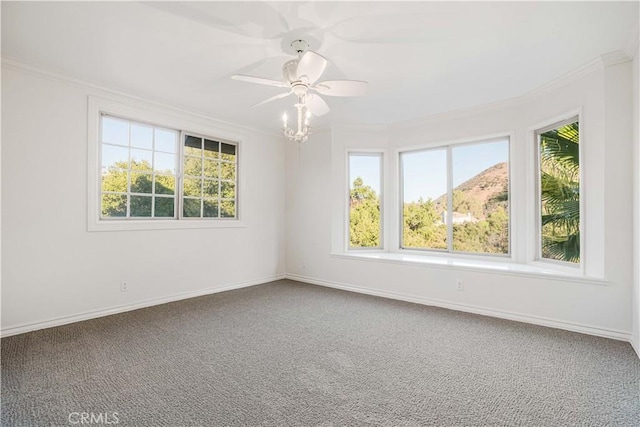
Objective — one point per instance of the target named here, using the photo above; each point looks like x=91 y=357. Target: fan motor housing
x=289 y=71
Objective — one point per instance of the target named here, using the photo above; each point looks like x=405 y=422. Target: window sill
x=523 y=270
x=160 y=224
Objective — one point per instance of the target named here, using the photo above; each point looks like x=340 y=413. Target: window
x=456 y=198
x=209 y=185
x=365 y=186
x=558 y=170
x=138 y=170
x=141 y=179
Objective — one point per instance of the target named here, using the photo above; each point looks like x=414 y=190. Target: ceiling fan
x=300 y=76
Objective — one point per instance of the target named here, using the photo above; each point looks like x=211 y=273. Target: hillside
x=481 y=188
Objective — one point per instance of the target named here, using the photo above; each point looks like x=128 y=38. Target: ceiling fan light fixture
x=301 y=132
x=300 y=76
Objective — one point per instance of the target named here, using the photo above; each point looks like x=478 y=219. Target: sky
x=366 y=167
x=141 y=138
x=425 y=172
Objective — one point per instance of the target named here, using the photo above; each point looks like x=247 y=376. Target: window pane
x=165 y=140
x=228 y=152
x=141 y=182
x=165 y=163
x=424 y=199
x=141 y=136
x=210 y=208
x=114 y=205
x=141 y=159
x=192 y=187
x=114 y=157
x=193 y=146
x=211 y=168
x=211 y=188
x=164 y=207
x=227 y=190
x=480 y=215
x=115 y=181
x=228 y=209
x=192 y=166
x=228 y=170
x=364 y=201
x=559 y=183
x=115 y=131
x=211 y=149
x=140 y=206
x=165 y=184
x=191 y=208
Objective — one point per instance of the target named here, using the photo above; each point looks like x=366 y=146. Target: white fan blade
x=273 y=98
x=316 y=105
x=258 y=80
x=342 y=87
x=311 y=65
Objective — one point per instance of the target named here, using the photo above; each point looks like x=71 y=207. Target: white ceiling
x=420 y=58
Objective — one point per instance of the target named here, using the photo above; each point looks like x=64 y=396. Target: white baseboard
x=535 y=320
x=64 y=320
x=635 y=347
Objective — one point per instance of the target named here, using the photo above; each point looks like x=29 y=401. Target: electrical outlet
x=124 y=286
x=460 y=284
x=304 y=265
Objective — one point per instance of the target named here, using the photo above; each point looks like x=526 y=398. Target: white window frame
x=129 y=193
x=371 y=153
x=163 y=117
x=448 y=146
x=183 y=135
x=537 y=237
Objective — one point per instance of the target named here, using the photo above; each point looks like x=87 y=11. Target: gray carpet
x=290 y=354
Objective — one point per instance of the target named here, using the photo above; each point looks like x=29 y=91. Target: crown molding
x=599 y=63
x=457 y=114
x=105 y=90
x=615 y=58
x=631 y=47
x=564 y=79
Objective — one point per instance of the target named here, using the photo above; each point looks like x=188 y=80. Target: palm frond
x=560 y=192
x=563 y=249
x=561 y=146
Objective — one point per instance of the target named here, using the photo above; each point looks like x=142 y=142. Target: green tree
x=560 y=191
x=364 y=216
x=498 y=237
x=140 y=175
x=462 y=203
x=423 y=227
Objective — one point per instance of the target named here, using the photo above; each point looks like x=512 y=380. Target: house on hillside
x=459 y=218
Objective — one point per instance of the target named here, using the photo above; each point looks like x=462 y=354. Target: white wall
x=601 y=93
x=54 y=268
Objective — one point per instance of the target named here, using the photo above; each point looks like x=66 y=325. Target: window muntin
x=558 y=185
x=210 y=178
x=365 y=200
x=455 y=198
x=138 y=170
x=141 y=179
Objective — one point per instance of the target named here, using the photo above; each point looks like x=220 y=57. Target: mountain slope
x=482 y=188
